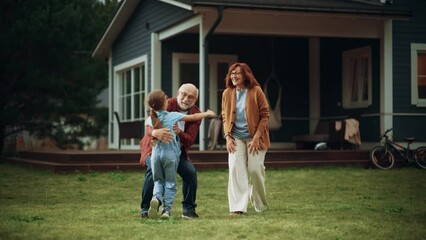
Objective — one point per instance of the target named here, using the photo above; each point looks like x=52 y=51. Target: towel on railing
x=352 y=134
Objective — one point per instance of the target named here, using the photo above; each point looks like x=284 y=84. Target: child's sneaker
x=154 y=206
x=165 y=215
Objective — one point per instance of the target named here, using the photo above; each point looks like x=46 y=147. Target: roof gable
x=124 y=11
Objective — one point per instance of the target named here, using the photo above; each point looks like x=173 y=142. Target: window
x=418 y=74
x=131 y=93
x=356 y=85
x=130 y=90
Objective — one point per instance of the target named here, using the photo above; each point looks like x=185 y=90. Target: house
x=328 y=59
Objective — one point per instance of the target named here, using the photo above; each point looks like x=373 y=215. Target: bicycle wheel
x=420 y=157
x=381 y=158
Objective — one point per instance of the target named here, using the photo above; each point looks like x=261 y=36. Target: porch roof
x=357 y=7
x=369 y=7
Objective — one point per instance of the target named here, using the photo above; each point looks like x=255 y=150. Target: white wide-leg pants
x=246 y=179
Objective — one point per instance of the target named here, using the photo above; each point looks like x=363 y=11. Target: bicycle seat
x=409 y=139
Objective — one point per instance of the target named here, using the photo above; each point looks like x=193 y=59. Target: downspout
x=215 y=24
x=203 y=144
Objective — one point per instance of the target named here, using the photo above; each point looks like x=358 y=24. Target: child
x=165 y=156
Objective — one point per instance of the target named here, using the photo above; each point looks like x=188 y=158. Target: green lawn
x=305 y=203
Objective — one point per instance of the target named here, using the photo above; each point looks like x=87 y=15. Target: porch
x=85 y=161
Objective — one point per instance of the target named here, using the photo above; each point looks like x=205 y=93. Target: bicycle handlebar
x=390 y=129
x=385 y=135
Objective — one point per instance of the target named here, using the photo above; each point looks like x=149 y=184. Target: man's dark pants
x=189 y=181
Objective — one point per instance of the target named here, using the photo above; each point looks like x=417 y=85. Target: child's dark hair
x=156 y=100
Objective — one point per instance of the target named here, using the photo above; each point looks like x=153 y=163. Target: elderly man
x=187 y=96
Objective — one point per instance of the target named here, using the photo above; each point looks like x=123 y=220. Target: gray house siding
x=405 y=33
x=135 y=38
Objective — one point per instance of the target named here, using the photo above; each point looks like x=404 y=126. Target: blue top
x=168 y=119
x=240 y=129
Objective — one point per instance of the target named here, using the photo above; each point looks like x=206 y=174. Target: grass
x=305 y=203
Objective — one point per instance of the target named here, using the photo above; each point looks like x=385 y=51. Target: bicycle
x=383 y=156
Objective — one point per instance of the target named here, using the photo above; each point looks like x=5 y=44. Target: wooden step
x=82 y=156
x=76 y=167
x=82 y=161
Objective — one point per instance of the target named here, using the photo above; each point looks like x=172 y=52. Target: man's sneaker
x=154 y=206
x=165 y=215
x=190 y=215
x=144 y=215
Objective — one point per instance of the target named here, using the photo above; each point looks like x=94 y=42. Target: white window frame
x=415 y=49
x=348 y=79
x=118 y=70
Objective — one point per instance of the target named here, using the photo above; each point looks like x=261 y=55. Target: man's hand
x=176 y=128
x=163 y=134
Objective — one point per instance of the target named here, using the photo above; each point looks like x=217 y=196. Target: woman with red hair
x=245 y=114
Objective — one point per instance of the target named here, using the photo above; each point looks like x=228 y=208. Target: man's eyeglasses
x=186 y=95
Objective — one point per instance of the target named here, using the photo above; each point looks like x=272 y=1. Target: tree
x=49 y=81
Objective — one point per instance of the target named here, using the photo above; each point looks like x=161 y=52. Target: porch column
x=386 y=79
x=155 y=62
x=202 y=94
x=112 y=143
x=314 y=83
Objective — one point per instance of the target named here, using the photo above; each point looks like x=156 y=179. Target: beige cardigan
x=257 y=113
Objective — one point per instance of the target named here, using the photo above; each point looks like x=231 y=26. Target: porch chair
x=127 y=130
x=215 y=134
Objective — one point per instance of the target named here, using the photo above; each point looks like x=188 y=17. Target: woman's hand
x=254 y=146
x=230 y=144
